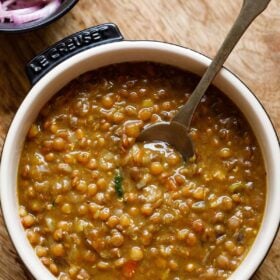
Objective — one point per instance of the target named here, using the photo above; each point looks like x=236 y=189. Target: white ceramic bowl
x=124 y=51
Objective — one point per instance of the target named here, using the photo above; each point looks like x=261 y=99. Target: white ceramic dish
x=123 y=51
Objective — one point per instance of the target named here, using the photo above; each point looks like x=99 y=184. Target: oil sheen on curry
x=97 y=205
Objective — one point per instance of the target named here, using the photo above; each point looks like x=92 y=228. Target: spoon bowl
x=173 y=133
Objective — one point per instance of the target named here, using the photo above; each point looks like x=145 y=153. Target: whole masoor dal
x=97 y=205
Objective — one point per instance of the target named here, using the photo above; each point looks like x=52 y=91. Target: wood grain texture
x=197 y=24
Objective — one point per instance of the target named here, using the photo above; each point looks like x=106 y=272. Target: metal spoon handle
x=249 y=11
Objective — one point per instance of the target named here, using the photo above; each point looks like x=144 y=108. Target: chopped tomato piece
x=129 y=268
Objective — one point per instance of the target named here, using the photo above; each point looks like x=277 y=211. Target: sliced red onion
x=1 y=11
x=29 y=3
x=11 y=13
x=22 y=11
x=7 y=3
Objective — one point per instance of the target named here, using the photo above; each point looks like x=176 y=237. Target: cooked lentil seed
x=28 y=221
x=41 y=251
x=113 y=221
x=174 y=220
x=33 y=237
x=57 y=250
x=117 y=240
x=136 y=254
x=147 y=209
x=156 y=168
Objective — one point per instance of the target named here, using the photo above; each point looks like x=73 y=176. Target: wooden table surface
x=197 y=24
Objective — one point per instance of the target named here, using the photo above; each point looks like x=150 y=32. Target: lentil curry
x=97 y=205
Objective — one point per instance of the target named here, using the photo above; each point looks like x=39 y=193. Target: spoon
x=175 y=133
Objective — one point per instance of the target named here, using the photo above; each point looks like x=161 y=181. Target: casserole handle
x=69 y=46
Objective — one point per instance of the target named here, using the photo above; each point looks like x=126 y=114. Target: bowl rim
x=78 y=58
x=34 y=25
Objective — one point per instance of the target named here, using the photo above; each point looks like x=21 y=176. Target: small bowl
x=101 y=46
x=65 y=7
